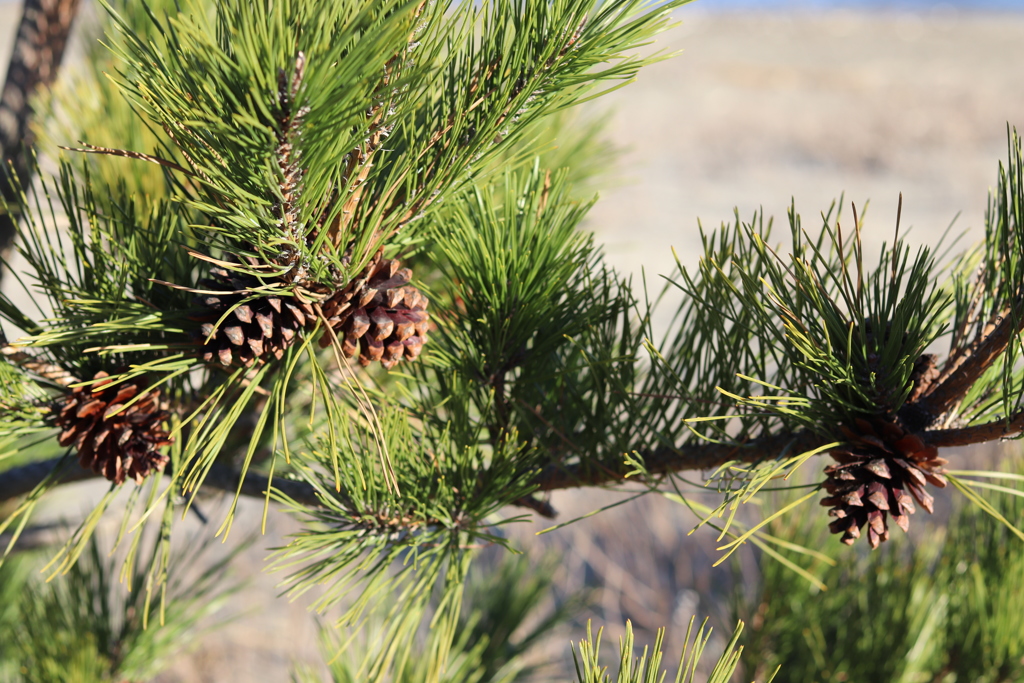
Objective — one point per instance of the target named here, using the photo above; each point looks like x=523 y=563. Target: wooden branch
x=224 y=478
x=38 y=51
x=969 y=366
x=967 y=436
x=19 y=481
x=665 y=460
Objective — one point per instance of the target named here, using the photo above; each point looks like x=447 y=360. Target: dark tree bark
x=38 y=51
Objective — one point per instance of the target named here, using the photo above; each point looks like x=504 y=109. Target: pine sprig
x=647 y=667
x=368 y=545
x=96 y=273
x=987 y=321
x=450 y=489
x=263 y=66
x=850 y=335
x=85 y=626
x=503 y=619
x=334 y=102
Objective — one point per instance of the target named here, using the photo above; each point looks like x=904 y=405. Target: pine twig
x=541 y=507
x=967 y=436
x=666 y=460
x=970 y=365
x=19 y=481
x=224 y=478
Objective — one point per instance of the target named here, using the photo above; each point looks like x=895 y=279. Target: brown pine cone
x=880 y=471
x=259 y=328
x=118 y=445
x=378 y=316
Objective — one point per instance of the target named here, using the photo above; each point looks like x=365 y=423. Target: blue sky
x=922 y=5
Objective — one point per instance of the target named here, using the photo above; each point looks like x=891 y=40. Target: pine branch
x=967 y=436
x=967 y=367
x=667 y=460
x=225 y=478
x=19 y=481
x=38 y=51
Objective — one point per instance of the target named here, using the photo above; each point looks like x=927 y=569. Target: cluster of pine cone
x=115 y=441
x=378 y=316
x=118 y=429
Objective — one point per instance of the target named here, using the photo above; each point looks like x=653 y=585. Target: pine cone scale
x=359 y=323
x=266 y=324
x=244 y=313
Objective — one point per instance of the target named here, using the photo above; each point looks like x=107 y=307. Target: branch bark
x=38 y=51
x=967 y=436
x=19 y=481
x=969 y=366
x=665 y=460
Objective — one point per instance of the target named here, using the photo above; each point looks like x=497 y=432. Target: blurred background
x=766 y=103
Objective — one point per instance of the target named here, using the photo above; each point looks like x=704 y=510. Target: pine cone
x=378 y=316
x=116 y=446
x=259 y=328
x=879 y=473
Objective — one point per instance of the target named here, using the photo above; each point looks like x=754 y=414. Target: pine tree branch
x=225 y=478
x=967 y=436
x=38 y=51
x=19 y=481
x=665 y=460
x=968 y=366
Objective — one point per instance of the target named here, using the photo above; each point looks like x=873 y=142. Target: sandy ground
x=758 y=109
x=761 y=109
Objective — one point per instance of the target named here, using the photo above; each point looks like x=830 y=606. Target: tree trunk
x=38 y=50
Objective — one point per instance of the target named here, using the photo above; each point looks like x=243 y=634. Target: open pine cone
x=263 y=326
x=120 y=445
x=880 y=472
x=378 y=316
